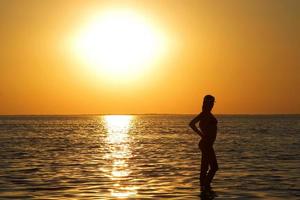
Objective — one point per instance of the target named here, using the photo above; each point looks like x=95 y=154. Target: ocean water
x=146 y=157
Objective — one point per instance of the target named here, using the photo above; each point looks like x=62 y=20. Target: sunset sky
x=65 y=57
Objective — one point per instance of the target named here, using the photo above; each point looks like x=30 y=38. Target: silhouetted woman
x=208 y=133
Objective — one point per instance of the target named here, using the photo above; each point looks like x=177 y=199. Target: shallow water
x=146 y=157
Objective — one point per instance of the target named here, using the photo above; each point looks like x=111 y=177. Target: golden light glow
x=117 y=127
x=120 y=44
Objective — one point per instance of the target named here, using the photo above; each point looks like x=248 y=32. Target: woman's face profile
x=208 y=103
x=211 y=105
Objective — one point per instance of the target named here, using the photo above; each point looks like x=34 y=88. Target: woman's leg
x=204 y=165
x=213 y=164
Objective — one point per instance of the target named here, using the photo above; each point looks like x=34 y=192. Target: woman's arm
x=192 y=124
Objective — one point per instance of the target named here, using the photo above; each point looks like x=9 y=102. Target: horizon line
x=97 y=114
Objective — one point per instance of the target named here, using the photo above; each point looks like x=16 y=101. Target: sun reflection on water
x=119 y=153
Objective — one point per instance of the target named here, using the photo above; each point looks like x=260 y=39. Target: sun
x=120 y=44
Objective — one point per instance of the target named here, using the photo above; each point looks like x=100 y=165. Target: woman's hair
x=208 y=103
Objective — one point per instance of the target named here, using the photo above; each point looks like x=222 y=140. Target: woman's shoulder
x=204 y=115
x=207 y=116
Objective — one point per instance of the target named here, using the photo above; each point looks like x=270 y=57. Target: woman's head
x=208 y=103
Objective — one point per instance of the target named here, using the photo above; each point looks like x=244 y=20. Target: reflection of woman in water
x=208 y=133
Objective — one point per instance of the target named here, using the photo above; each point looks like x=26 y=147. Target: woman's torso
x=208 y=126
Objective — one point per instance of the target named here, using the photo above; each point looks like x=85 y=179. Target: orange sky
x=245 y=53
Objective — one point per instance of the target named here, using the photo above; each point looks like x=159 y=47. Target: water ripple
x=146 y=157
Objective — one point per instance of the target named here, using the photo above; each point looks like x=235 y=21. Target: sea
x=146 y=157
